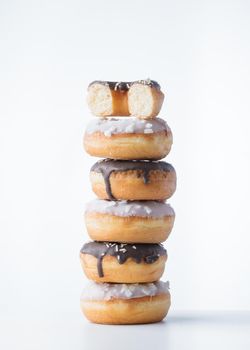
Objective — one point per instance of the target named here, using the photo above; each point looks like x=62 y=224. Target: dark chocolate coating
x=148 y=253
x=125 y=85
x=107 y=166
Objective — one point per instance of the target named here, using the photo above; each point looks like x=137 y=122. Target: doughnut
x=142 y=98
x=132 y=180
x=123 y=263
x=129 y=222
x=129 y=138
x=125 y=303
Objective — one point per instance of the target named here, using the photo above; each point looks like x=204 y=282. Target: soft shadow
x=132 y=337
x=223 y=318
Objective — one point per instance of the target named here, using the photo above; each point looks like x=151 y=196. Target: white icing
x=148 y=210
x=111 y=126
x=130 y=128
x=108 y=291
x=135 y=208
x=148 y=131
x=109 y=131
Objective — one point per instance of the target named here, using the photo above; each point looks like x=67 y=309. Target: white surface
x=189 y=331
x=50 y=50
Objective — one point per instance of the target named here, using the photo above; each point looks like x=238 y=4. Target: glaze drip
x=107 y=166
x=148 y=253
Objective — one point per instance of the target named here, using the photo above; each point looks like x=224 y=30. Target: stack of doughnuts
x=130 y=218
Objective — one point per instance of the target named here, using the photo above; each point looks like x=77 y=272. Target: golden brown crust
x=128 y=272
x=134 y=146
x=129 y=185
x=158 y=98
x=130 y=229
x=127 y=311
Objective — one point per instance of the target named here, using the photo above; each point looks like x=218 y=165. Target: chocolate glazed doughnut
x=142 y=98
x=133 y=180
x=123 y=263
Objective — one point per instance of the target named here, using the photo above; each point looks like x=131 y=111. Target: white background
x=199 y=51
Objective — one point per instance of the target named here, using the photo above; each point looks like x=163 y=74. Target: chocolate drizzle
x=148 y=253
x=125 y=85
x=107 y=166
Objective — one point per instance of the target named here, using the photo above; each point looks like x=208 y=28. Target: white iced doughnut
x=128 y=138
x=125 y=304
x=129 y=222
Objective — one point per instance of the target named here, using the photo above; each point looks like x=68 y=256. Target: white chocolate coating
x=134 y=208
x=108 y=291
x=111 y=126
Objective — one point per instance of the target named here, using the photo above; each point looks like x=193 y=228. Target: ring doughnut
x=129 y=138
x=125 y=304
x=133 y=180
x=129 y=222
x=123 y=263
x=142 y=98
